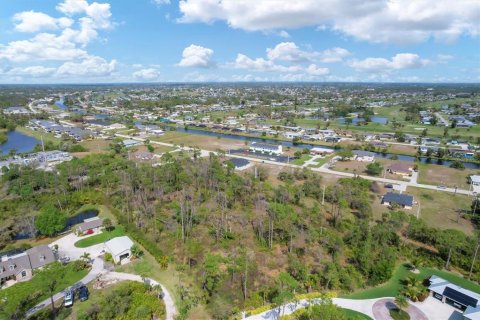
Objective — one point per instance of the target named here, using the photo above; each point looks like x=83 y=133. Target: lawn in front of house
x=393 y=286
x=118 y=231
x=300 y=161
x=23 y=290
x=352 y=314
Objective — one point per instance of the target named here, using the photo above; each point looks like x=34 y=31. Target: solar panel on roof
x=460 y=297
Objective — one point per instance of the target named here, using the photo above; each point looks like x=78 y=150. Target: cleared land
x=442 y=175
x=203 y=142
x=361 y=167
x=441 y=209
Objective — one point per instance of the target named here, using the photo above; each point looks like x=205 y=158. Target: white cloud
x=398 y=62
x=399 y=21
x=317 y=71
x=71 y=7
x=32 y=21
x=43 y=46
x=161 y=2
x=197 y=56
x=146 y=74
x=284 y=34
x=259 y=64
x=32 y=71
x=287 y=51
x=92 y=66
x=333 y=55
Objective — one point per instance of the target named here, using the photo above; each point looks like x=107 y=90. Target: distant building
x=321 y=151
x=91 y=225
x=266 y=148
x=130 y=143
x=119 y=248
x=16 y=110
x=474 y=180
x=403 y=200
x=239 y=163
x=402 y=169
x=364 y=156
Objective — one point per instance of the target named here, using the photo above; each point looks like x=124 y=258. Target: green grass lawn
x=21 y=291
x=300 y=161
x=355 y=315
x=99 y=238
x=392 y=287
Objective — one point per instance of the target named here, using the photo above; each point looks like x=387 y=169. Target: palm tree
x=401 y=302
x=85 y=257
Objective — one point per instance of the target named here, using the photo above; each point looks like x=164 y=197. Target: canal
x=386 y=155
x=19 y=141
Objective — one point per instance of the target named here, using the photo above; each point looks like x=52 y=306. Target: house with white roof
x=119 y=248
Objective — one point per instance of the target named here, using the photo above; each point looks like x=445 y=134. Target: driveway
x=66 y=247
x=437 y=310
x=170 y=309
x=381 y=310
x=97 y=269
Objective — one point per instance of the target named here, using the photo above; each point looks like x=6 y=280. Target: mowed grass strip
x=100 y=238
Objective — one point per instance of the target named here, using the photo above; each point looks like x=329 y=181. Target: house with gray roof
x=16 y=267
x=403 y=200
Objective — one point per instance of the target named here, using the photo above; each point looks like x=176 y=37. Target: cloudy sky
x=83 y=41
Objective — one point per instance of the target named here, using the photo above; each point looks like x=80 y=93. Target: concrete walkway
x=362 y=306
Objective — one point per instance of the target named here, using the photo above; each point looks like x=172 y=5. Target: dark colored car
x=83 y=293
x=389 y=185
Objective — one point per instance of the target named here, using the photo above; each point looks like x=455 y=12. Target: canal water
x=59 y=103
x=20 y=141
x=387 y=155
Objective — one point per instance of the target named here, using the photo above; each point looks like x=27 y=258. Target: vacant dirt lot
x=442 y=175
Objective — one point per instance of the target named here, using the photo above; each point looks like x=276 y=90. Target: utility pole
x=473 y=261
x=323 y=195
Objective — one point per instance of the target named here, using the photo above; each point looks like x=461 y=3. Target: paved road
x=442 y=119
x=170 y=309
x=322 y=169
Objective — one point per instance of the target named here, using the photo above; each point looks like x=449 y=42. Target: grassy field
x=361 y=167
x=100 y=238
x=39 y=134
x=442 y=175
x=440 y=209
x=203 y=142
x=300 y=161
x=391 y=287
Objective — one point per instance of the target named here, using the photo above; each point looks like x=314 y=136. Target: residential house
x=401 y=169
x=363 y=156
x=266 y=148
x=239 y=163
x=321 y=151
x=403 y=200
x=91 y=225
x=19 y=266
x=119 y=248
x=456 y=296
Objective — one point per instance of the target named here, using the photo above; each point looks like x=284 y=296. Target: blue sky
x=83 y=41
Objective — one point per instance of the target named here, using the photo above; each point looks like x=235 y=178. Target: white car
x=68 y=299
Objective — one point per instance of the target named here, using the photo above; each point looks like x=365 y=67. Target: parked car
x=68 y=299
x=388 y=185
x=83 y=293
